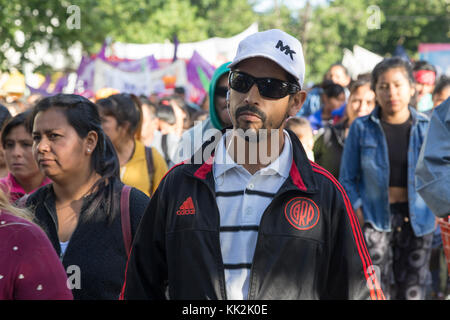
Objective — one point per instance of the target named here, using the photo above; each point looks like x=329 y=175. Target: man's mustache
x=252 y=109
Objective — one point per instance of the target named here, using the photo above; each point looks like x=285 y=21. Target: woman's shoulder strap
x=150 y=166
x=125 y=217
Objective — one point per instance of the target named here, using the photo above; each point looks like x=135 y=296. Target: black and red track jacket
x=310 y=245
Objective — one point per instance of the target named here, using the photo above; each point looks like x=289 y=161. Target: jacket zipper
x=61 y=254
x=56 y=228
x=224 y=292
x=250 y=295
x=386 y=158
x=222 y=270
x=414 y=127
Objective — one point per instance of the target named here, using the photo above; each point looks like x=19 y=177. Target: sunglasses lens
x=240 y=82
x=272 y=88
x=268 y=87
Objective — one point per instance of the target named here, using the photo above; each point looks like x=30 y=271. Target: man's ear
x=296 y=102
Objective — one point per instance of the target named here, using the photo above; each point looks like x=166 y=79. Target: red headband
x=425 y=77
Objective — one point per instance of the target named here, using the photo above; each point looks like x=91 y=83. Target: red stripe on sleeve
x=357 y=233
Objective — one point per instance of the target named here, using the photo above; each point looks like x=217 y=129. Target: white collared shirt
x=242 y=199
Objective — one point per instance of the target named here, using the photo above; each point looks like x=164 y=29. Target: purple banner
x=43 y=89
x=195 y=62
x=86 y=69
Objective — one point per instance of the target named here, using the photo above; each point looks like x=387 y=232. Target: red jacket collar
x=300 y=171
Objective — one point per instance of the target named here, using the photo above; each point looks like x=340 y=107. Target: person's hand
x=180 y=115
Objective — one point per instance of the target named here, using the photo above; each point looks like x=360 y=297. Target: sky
x=265 y=5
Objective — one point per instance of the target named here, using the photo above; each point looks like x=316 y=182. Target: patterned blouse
x=29 y=266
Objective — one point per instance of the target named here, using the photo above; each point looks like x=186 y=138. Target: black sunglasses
x=268 y=87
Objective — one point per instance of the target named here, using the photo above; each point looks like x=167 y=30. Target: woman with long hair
x=377 y=172
x=329 y=145
x=121 y=117
x=81 y=209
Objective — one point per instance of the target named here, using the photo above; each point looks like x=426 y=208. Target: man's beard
x=250 y=134
x=260 y=134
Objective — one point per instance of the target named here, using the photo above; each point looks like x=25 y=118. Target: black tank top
x=397 y=138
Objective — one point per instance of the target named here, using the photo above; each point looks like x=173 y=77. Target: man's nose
x=253 y=96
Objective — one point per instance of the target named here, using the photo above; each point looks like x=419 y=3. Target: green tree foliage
x=344 y=23
x=333 y=28
x=39 y=21
x=225 y=18
x=324 y=30
x=136 y=21
x=144 y=21
x=411 y=22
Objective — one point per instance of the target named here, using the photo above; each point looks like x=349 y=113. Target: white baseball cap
x=276 y=45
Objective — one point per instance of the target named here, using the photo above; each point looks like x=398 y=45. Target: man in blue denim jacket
x=433 y=167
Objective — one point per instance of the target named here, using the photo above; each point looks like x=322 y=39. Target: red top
x=15 y=191
x=29 y=266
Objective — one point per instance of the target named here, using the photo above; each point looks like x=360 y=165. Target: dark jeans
x=401 y=258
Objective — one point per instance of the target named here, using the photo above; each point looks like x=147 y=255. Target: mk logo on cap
x=286 y=49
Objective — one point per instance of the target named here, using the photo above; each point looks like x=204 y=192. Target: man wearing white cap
x=249 y=216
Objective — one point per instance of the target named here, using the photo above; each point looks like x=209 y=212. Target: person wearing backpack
x=121 y=116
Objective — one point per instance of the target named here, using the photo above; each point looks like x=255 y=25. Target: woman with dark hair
x=377 y=172
x=84 y=210
x=24 y=176
x=121 y=117
x=332 y=97
x=339 y=75
x=4 y=116
x=330 y=143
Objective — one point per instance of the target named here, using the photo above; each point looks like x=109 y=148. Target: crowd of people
x=107 y=197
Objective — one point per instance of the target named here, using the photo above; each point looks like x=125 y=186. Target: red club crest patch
x=302 y=213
